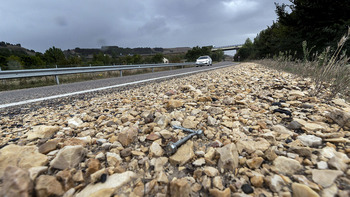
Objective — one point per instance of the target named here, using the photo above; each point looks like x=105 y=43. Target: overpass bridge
x=227 y=48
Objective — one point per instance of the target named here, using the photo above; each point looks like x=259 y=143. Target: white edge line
x=104 y=88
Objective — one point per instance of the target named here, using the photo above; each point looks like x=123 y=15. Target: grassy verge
x=31 y=82
x=329 y=70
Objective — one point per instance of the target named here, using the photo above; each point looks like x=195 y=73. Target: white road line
x=104 y=88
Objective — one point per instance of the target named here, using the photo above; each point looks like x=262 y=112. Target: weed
x=329 y=71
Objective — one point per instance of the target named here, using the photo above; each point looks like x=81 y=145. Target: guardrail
x=13 y=74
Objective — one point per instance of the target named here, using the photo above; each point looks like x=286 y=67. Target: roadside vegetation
x=310 y=39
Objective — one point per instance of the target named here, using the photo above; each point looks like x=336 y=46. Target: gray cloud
x=41 y=24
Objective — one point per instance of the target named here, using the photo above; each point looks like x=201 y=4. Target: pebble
x=264 y=134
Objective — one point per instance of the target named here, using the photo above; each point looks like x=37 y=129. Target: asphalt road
x=20 y=98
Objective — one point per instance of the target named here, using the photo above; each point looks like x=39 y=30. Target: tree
x=197 y=51
x=246 y=52
x=54 y=56
x=158 y=58
x=31 y=62
x=321 y=23
x=217 y=55
x=14 y=63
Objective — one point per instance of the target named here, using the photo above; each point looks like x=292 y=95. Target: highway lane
x=35 y=95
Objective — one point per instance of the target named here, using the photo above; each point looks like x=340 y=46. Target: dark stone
x=288 y=141
x=276 y=104
x=103 y=178
x=307 y=106
x=294 y=125
x=125 y=152
x=247 y=189
x=299 y=131
x=283 y=111
x=250 y=129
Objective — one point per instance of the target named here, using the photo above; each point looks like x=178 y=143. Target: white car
x=204 y=60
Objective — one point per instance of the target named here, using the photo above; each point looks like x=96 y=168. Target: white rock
x=310 y=140
x=286 y=165
x=113 y=182
x=68 y=157
x=156 y=149
x=199 y=162
x=322 y=165
x=75 y=122
x=325 y=177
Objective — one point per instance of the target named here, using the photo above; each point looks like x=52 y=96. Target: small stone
x=126 y=152
x=322 y=165
x=211 y=121
x=281 y=130
x=325 y=177
x=184 y=154
x=228 y=157
x=302 y=179
x=16 y=182
x=36 y=171
x=330 y=191
x=68 y=157
x=180 y=188
x=310 y=140
x=257 y=181
x=162 y=178
x=156 y=149
x=48 y=186
x=342 y=118
x=286 y=165
x=113 y=159
x=275 y=183
x=48 y=146
x=210 y=171
x=23 y=157
x=246 y=188
x=152 y=137
x=96 y=176
x=93 y=165
x=174 y=104
x=128 y=136
x=162 y=121
x=190 y=122
x=218 y=193
x=112 y=183
x=42 y=131
x=166 y=134
x=215 y=110
x=74 y=122
x=217 y=182
x=255 y=162
x=300 y=190
x=65 y=177
x=199 y=162
x=251 y=146
x=294 y=125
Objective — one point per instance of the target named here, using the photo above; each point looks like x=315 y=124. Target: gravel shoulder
x=263 y=135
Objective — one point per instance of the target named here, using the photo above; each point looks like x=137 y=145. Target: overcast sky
x=67 y=24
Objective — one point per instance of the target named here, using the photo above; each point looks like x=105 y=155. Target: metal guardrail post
x=57 y=80
x=121 y=73
x=152 y=70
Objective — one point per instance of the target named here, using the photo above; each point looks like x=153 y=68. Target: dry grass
x=329 y=71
